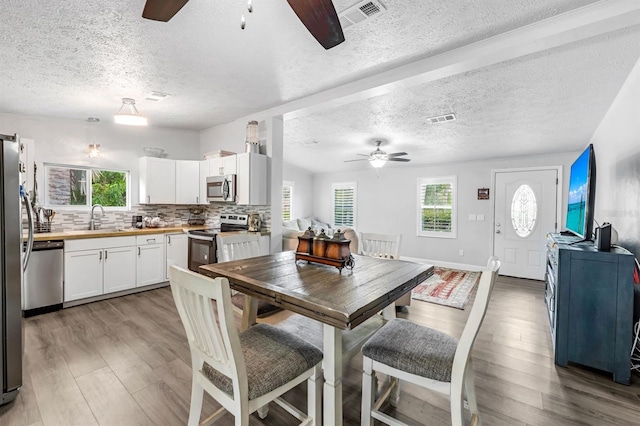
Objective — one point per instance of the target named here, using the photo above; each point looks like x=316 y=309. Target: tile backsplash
x=174 y=215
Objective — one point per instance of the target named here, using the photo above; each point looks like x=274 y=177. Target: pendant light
x=129 y=115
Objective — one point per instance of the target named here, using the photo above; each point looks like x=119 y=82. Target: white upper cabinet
x=187 y=178
x=202 y=183
x=157 y=181
x=251 y=179
x=223 y=166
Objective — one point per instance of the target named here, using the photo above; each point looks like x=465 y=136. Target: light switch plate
x=480 y=217
x=472 y=217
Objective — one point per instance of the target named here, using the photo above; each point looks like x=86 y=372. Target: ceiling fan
x=319 y=16
x=378 y=158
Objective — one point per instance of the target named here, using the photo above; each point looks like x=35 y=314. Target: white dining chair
x=385 y=246
x=238 y=247
x=243 y=372
x=425 y=357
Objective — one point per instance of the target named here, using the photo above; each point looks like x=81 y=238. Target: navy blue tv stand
x=589 y=297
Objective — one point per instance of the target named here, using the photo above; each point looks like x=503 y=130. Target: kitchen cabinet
x=150 y=263
x=223 y=166
x=98 y=266
x=82 y=274
x=119 y=269
x=251 y=180
x=157 y=180
x=202 y=182
x=177 y=249
x=187 y=178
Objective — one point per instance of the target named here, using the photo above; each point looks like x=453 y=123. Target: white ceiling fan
x=378 y=158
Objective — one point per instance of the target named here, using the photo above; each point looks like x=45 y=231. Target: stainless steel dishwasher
x=43 y=280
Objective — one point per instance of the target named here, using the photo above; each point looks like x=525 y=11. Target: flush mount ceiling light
x=129 y=115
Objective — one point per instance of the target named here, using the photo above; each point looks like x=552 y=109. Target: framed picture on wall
x=483 y=193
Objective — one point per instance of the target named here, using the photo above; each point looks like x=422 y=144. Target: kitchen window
x=287 y=200
x=343 y=204
x=82 y=187
x=437 y=210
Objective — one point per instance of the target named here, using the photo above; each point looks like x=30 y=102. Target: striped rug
x=449 y=287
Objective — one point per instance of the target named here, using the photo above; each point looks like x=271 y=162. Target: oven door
x=202 y=251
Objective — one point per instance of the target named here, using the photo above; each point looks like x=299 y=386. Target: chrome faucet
x=92 y=223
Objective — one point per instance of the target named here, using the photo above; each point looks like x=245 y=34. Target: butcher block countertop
x=102 y=233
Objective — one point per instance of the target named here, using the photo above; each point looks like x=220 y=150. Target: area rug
x=449 y=287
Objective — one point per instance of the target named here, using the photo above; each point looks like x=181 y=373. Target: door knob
x=497 y=224
x=497 y=231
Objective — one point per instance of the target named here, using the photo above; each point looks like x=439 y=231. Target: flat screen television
x=581 y=203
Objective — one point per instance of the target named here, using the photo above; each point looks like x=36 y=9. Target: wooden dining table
x=340 y=300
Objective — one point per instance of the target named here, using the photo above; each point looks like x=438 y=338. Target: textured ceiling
x=76 y=59
x=541 y=103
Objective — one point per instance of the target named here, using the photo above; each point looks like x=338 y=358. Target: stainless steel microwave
x=221 y=188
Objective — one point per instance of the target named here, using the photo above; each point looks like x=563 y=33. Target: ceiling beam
x=588 y=21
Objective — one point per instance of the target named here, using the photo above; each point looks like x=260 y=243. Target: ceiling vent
x=156 y=97
x=361 y=11
x=442 y=118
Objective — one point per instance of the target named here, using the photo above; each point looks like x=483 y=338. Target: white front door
x=525 y=211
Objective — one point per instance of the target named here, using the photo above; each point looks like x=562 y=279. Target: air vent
x=442 y=118
x=156 y=96
x=359 y=12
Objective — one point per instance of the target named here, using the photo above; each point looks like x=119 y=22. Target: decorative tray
x=347 y=262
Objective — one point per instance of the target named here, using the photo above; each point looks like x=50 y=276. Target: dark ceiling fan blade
x=162 y=10
x=359 y=159
x=397 y=154
x=363 y=155
x=321 y=19
x=404 y=160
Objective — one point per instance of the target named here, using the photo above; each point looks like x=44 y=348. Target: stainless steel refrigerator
x=13 y=263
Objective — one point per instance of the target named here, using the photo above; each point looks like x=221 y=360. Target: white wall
x=302 y=192
x=617 y=151
x=66 y=141
x=388 y=204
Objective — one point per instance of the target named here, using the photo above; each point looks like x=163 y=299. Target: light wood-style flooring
x=125 y=361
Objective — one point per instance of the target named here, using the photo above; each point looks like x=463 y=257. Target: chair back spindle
x=237 y=247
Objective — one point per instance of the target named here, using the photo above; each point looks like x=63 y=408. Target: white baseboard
x=450 y=265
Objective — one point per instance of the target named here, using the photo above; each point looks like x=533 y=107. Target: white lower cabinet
x=177 y=249
x=150 y=259
x=119 y=271
x=82 y=274
x=89 y=273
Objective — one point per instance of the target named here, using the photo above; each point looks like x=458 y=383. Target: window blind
x=286 y=203
x=344 y=199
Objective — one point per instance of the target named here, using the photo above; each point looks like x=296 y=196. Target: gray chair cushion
x=415 y=349
x=273 y=357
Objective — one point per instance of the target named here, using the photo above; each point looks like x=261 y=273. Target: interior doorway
x=526 y=208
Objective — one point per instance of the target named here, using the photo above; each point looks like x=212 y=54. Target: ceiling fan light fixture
x=128 y=114
x=377 y=162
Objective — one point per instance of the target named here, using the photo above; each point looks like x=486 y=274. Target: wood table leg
x=249 y=312
x=332 y=368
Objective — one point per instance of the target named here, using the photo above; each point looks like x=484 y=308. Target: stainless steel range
x=202 y=243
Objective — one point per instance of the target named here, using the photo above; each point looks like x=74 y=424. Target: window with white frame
x=287 y=200
x=437 y=211
x=78 y=187
x=343 y=204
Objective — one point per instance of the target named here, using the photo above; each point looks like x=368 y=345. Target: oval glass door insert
x=524 y=211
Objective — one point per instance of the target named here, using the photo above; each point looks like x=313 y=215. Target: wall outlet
x=461 y=252
x=472 y=217
x=480 y=217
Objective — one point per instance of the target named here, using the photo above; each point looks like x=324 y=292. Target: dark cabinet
x=589 y=297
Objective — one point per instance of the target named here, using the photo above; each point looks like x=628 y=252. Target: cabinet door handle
x=106 y=253
x=169 y=239
x=100 y=256
x=197 y=200
x=138 y=251
x=151 y=240
x=148 y=199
